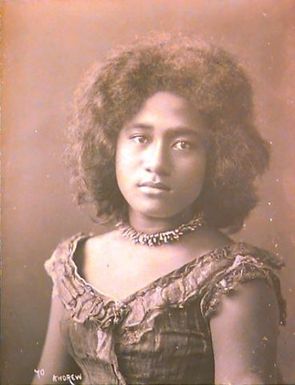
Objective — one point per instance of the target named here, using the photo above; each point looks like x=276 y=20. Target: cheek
x=124 y=162
x=192 y=178
x=119 y=164
x=121 y=156
x=124 y=167
x=120 y=169
x=195 y=169
x=124 y=151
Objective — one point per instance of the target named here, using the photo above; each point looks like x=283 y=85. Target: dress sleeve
x=52 y=266
x=244 y=267
x=57 y=266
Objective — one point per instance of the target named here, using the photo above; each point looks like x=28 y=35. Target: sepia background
x=47 y=47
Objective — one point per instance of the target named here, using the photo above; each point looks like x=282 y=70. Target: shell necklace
x=162 y=237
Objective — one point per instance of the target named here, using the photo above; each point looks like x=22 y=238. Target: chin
x=158 y=211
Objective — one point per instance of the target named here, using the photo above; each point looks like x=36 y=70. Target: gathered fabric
x=159 y=334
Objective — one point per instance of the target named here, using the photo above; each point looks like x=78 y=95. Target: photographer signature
x=61 y=378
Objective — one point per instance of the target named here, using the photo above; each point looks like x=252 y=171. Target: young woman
x=163 y=143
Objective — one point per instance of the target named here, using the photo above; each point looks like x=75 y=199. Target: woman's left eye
x=182 y=145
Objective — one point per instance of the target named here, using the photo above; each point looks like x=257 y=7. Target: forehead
x=163 y=100
x=166 y=109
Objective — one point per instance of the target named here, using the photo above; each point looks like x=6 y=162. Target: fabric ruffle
x=85 y=304
x=244 y=268
x=80 y=298
x=207 y=277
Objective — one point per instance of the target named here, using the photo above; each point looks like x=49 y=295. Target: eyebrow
x=178 y=130
x=143 y=126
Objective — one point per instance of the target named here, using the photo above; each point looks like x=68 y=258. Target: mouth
x=157 y=186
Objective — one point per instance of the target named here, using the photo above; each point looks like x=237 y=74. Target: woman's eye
x=182 y=145
x=140 y=139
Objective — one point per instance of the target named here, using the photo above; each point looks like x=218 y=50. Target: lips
x=154 y=185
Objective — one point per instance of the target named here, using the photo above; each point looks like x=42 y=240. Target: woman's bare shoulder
x=216 y=238
x=102 y=243
x=209 y=239
x=100 y=250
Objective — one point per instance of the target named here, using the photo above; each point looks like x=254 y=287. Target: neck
x=151 y=225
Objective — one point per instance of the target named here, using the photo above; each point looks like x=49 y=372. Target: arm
x=244 y=336
x=54 y=358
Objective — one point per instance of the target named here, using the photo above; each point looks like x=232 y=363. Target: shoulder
x=225 y=252
x=204 y=242
x=213 y=239
x=63 y=252
x=101 y=243
x=253 y=299
x=80 y=243
x=240 y=268
x=65 y=269
x=99 y=249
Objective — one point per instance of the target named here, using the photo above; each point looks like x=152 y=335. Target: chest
x=122 y=274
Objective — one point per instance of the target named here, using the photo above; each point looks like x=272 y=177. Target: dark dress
x=160 y=334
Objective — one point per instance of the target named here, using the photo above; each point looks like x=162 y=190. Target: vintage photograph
x=148 y=189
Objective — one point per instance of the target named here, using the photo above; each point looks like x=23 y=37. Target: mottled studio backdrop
x=48 y=46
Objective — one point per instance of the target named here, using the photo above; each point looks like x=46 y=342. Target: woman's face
x=161 y=158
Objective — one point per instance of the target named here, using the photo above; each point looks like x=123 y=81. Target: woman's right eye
x=140 y=139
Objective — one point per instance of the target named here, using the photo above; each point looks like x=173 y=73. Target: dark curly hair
x=205 y=75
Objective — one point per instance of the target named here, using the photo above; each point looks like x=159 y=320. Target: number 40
x=39 y=372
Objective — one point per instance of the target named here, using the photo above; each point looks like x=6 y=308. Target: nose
x=156 y=159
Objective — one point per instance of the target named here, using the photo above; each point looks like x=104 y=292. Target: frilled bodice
x=160 y=334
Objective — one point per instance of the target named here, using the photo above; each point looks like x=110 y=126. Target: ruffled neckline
x=162 y=280
x=204 y=279
x=231 y=249
x=196 y=278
